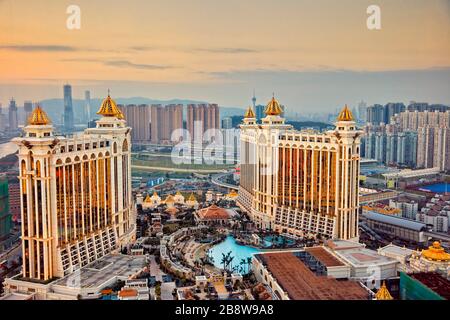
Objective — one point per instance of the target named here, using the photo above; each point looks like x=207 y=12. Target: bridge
x=216 y=179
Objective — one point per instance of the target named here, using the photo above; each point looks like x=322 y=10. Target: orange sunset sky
x=312 y=53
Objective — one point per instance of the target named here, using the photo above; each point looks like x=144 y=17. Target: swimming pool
x=278 y=241
x=437 y=188
x=238 y=252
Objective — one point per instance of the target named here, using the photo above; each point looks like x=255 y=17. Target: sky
x=314 y=55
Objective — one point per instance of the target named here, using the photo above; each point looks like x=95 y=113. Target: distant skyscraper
x=362 y=111
x=259 y=112
x=227 y=123
x=28 y=108
x=68 y=108
x=254 y=100
x=13 y=120
x=87 y=106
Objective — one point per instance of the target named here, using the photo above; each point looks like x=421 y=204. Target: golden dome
x=192 y=197
x=249 y=113
x=148 y=199
x=38 y=117
x=110 y=109
x=169 y=198
x=273 y=108
x=345 y=115
x=436 y=253
x=383 y=293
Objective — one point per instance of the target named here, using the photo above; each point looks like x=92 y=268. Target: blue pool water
x=276 y=240
x=437 y=187
x=238 y=251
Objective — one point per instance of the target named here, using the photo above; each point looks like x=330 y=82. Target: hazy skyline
x=315 y=55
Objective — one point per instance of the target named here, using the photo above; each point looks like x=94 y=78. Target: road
x=174 y=169
x=216 y=179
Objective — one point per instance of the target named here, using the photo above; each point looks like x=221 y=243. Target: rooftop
x=214 y=212
x=302 y=284
x=397 y=221
x=362 y=257
x=396 y=250
x=435 y=282
x=326 y=258
x=101 y=271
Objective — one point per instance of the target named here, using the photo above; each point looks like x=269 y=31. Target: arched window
x=125 y=146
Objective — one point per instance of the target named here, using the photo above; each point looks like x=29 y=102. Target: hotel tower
x=304 y=183
x=76 y=202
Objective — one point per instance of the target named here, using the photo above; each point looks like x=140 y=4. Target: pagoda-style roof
x=273 y=108
x=345 y=114
x=436 y=253
x=213 y=213
x=249 y=114
x=192 y=198
x=169 y=199
x=155 y=195
x=109 y=108
x=383 y=293
x=38 y=117
x=148 y=199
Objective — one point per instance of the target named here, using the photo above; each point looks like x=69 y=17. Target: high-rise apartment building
x=12 y=115
x=68 y=109
x=138 y=118
x=200 y=118
x=300 y=182
x=425 y=147
x=75 y=193
x=164 y=121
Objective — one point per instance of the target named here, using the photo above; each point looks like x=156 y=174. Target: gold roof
x=178 y=193
x=249 y=113
x=383 y=293
x=148 y=199
x=345 y=114
x=233 y=193
x=436 y=253
x=169 y=198
x=110 y=109
x=155 y=194
x=273 y=108
x=192 y=197
x=38 y=117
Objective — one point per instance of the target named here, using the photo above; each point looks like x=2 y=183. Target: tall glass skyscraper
x=68 y=108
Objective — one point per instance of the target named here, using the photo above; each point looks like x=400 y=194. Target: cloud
x=227 y=50
x=38 y=48
x=128 y=64
x=121 y=63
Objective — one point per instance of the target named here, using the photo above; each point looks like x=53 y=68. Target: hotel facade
x=75 y=195
x=303 y=183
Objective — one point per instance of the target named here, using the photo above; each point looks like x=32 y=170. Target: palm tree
x=249 y=263
x=243 y=263
x=224 y=261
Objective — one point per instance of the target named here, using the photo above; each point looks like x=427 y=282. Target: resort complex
x=300 y=183
x=289 y=222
